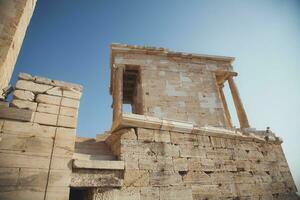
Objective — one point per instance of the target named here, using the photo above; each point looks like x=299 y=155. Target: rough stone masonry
x=178 y=143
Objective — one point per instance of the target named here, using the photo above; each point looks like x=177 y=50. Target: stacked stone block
x=202 y=165
x=36 y=156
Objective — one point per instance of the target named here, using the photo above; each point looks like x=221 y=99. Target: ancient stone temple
x=178 y=142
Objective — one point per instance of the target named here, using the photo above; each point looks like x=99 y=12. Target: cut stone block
x=43 y=80
x=97 y=164
x=56 y=91
x=136 y=178
x=48 y=99
x=48 y=108
x=60 y=162
x=64 y=142
x=25 y=143
x=72 y=112
x=24 y=104
x=31 y=86
x=149 y=193
x=96 y=178
x=57 y=193
x=33 y=177
x=180 y=164
x=165 y=178
x=145 y=134
x=67 y=85
x=59 y=178
x=66 y=121
x=22 y=192
x=67 y=102
x=175 y=193
x=16 y=114
x=73 y=94
x=24 y=95
x=45 y=118
x=197 y=177
x=9 y=176
x=28 y=129
x=183 y=138
x=162 y=136
x=26 y=160
x=25 y=76
x=128 y=134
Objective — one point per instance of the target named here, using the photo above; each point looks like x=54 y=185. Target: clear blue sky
x=69 y=40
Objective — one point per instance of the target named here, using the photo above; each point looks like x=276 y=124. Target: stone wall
x=203 y=165
x=15 y=16
x=36 y=153
x=174 y=86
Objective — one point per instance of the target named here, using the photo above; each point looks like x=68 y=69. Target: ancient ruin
x=178 y=143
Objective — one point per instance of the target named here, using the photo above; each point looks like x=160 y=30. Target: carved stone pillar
x=117 y=92
x=225 y=106
x=238 y=104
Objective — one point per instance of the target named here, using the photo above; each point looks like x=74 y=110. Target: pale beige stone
x=98 y=164
x=33 y=177
x=31 y=86
x=24 y=104
x=145 y=134
x=128 y=134
x=56 y=91
x=128 y=194
x=73 y=94
x=57 y=193
x=72 y=112
x=25 y=76
x=48 y=108
x=26 y=143
x=64 y=142
x=66 y=85
x=149 y=193
x=67 y=102
x=175 y=193
x=26 y=160
x=24 y=95
x=188 y=151
x=61 y=162
x=45 y=118
x=180 y=164
x=162 y=136
x=66 y=121
x=9 y=176
x=28 y=129
x=59 y=178
x=48 y=99
x=43 y=80
x=136 y=178
x=165 y=178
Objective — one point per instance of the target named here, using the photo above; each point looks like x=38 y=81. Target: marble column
x=117 y=92
x=225 y=106
x=238 y=104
